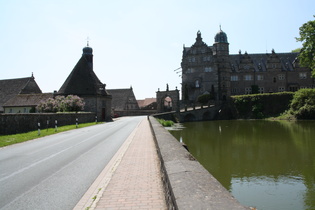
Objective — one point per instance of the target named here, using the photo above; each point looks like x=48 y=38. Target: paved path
x=132 y=181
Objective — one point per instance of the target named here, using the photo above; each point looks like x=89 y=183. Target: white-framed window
x=208 y=69
x=234 y=78
x=248 y=90
x=206 y=58
x=191 y=59
x=281 y=89
x=190 y=70
x=261 y=89
x=302 y=75
x=281 y=76
x=260 y=77
x=197 y=84
x=248 y=77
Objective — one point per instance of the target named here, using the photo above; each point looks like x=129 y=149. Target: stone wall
x=187 y=184
x=20 y=123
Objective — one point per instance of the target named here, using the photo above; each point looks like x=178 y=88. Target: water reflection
x=267 y=164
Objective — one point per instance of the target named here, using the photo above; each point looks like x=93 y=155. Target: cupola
x=220 y=37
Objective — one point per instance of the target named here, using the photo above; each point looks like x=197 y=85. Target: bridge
x=192 y=114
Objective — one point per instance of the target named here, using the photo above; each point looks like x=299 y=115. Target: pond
x=264 y=164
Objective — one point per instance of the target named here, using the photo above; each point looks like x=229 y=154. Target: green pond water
x=264 y=164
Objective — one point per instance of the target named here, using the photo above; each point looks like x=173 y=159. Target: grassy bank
x=7 y=140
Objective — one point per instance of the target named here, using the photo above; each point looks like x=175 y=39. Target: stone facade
x=213 y=70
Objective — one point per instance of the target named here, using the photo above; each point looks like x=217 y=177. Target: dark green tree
x=307 y=37
x=303 y=104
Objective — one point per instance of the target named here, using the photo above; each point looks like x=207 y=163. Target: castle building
x=213 y=70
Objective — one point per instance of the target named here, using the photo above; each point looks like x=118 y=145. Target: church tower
x=221 y=52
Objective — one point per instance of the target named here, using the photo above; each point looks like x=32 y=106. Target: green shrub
x=165 y=123
x=303 y=104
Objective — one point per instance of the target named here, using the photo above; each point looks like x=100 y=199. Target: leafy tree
x=303 y=104
x=307 y=37
x=297 y=50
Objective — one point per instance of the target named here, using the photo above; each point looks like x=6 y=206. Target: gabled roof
x=82 y=80
x=27 y=99
x=9 y=88
x=122 y=97
x=145 y=102
x=261 y=60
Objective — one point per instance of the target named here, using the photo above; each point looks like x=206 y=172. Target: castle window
x=197 y=85
x=248 y=77
x=208 y=69
x=281 y=76
x=191 y=59
x=189 y=70
x=248 y=90
x=303 y=75
x=281 y=89
x=206 y=58
x=234 y=90
x=234 y=78
x=260 y=77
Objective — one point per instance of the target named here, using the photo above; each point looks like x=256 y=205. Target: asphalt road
x=54 y=172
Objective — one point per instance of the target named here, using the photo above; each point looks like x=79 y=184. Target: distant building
x=123 y=99
x=11 y=90
x=25 y=103
x=83 y=82
x=213 y=70
x=147 y=104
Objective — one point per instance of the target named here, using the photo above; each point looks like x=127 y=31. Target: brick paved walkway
x=136 y=183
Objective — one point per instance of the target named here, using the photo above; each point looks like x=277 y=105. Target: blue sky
x=136 y=43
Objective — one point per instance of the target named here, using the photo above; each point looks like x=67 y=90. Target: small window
x=197 y=85
x=248 y=90
x=261 y=90
x=281 y=76
x=234 y=78
x=281 y=89
x=190 y=70
x=248 y=77
x=208 y=69
x=303 y=75
x=260 y=77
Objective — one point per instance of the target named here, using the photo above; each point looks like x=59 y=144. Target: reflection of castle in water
x=243 y=151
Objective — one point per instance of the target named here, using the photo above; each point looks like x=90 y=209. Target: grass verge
x=7 y=140
x=165 y=123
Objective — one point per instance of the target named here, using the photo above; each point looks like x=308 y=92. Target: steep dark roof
x=260 y=61
x=82 y=80
x=11 y=87
x=122 y=97
x=27 y=99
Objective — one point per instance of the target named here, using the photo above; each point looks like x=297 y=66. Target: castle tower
x=221 y=52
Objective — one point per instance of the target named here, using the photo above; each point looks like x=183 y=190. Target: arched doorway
x=167 y=104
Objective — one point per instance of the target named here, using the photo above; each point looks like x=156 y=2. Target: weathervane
x=87 y=40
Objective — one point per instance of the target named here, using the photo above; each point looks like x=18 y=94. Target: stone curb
x=188 y=185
